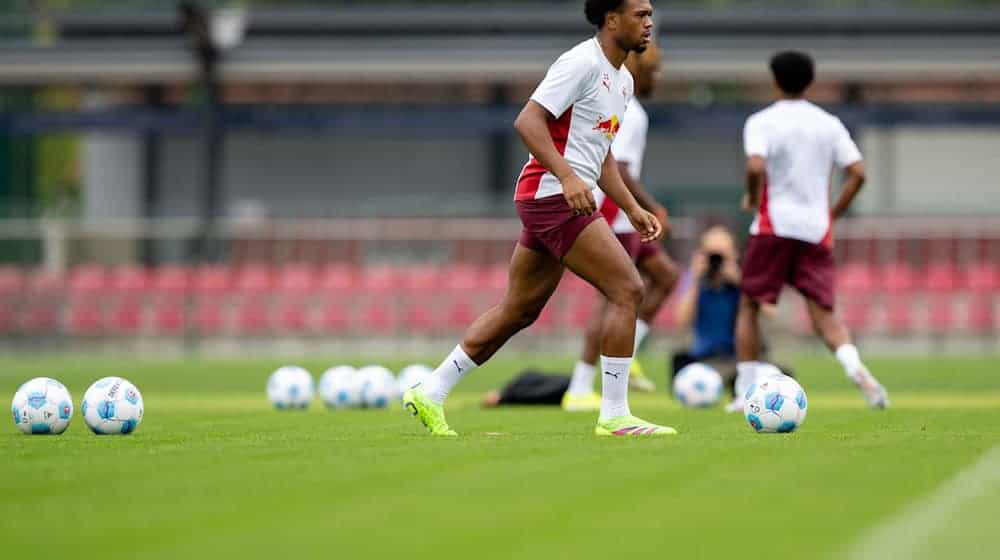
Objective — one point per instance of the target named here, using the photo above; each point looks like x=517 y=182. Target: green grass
x=214 y=472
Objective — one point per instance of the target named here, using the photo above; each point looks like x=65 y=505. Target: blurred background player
x=568 y=126
x=657 y=269
x=791 y=148
x=708 y=303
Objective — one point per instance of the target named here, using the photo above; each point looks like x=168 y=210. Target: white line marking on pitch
x=902 y=535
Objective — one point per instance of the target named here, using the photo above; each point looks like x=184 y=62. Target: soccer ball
x=765 y=370
x=775 y=404
x=290 y=387
x=42 y=406
x=698 y=385
x=112 y=405
x=377 y=386
x=337 y=388
x=412 y=375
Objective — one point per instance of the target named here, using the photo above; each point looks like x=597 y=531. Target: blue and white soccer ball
x=698 y=385
x=112 y=405
x=42 y=406
x=412 y=375
x=377 y=386
x=290 y=387
x=337 y=388
x=775 y=404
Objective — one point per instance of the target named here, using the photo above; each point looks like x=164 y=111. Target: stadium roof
x=489 y=43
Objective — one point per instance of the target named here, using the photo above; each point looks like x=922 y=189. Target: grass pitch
x=213 y=471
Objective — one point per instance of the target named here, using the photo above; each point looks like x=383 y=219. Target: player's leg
x=580 y=396
x=533 y=276
x=660 y=275
x=598 y=257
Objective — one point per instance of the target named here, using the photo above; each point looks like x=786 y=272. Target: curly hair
x=596 y=10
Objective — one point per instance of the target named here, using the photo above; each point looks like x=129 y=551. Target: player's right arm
x=847 y=156
x=533 y=127
x=755 y=146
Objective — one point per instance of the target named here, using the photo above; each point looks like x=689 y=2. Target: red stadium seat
x=422 y=280
x=856 y=278
x=419 y=317
x=580 y=314
x=856 y=313
x=459 y=315
x=339 y=278
x=983 y=278
x=942 y=278
x=39 y=317
x=172 y=281
x=292 y=316
x=254 y=279
x=12 y=281
x=209 y=316
x=252 y=317
x=381 y=280
x=212 y=280
x=941 y=315
x=496 y=279
x=89 y=280
x=898 y=278
x=130 y=281
x=466 y=279
x=44 y=285
x=125 y=317
x=334 y=317
x=982 y=317
x=85 y=318
x=8 y=319
x=378 y=317
x=297 y=279
x=899 y=316
x=168 y=316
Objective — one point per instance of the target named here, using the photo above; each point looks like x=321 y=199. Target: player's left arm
x=756 y=171
x=613 y=185
x=853 y=181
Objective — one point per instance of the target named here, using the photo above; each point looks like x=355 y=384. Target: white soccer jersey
x=628 y=148
x=588 y=97
x=801 y=144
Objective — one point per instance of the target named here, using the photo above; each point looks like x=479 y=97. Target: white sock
x=582 y=382
x=746 y=374
x=850 y=360
x=641 y=330
x=614 y=387
x=452 y=369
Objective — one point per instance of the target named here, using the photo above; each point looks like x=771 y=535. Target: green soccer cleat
x=589 y=402
x=631 y=426
x=427 y=411
x=637 y=378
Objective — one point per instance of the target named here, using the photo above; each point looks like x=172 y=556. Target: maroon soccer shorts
x=647 y=250
x=549 y=224
x=632 y=243
x=770 y=262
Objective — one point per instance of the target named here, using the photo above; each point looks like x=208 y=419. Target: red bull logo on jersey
x=609 y=126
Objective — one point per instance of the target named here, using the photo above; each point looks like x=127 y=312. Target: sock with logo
x=452 y=369
x=614 y=387
x=582 y=382
x=641 y=330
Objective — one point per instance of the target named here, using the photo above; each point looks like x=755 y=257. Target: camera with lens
x=714 y=269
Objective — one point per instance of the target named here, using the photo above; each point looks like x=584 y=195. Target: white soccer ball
x=112 y=405
x=377 y=386
x=412 y=375
x=775 y=404
x=337 y=388
x=42 y=406
x=290 y=387
x=765 y=370
x=698 y=385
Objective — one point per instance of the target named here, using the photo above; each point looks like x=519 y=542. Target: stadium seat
x=942 y=278
x=42 y=284
x=212 y=280
x=856 y=313
x=85 y=317
x=898 y=278
x=381 y=280
x=168 y=316
x=334 y=316
x=125 y=317
x=467 y=279
x=8 y=319
x=291 y=316
x=459 y=315
x=419 y=317
x=377 y=317
x=39 y=317
x=89 y=280
x=252 y=317
x=171 y=281
x=209 y=316
x=496 y=279
x=981 y=317
x=339 y=278
x=422 y=280
x=856 y=278
x=297 y=279
x=580 y=314
x=983 y=278
x=941 y=315
x=12 y=281
x=130 y=281
x=899 y=316
x=254 y=279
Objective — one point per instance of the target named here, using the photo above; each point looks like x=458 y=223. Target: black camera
x=714 y=265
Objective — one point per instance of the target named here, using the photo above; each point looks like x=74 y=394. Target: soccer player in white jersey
x=658 y=271
x=568 y=126
x=791 y=148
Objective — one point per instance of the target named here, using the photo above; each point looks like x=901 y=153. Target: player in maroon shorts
x=656 y=267
x=568 y=126
x=791 y=148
